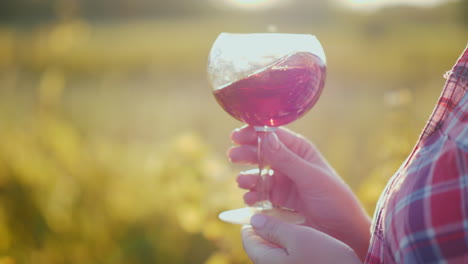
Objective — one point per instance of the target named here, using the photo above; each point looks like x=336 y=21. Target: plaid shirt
x=422 y=216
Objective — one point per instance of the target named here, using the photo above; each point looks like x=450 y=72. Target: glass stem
x=262 y=183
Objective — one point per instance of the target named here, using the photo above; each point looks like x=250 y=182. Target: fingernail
x=258 y=221
x=229 y=153
x=273 y=141
x=240 y=128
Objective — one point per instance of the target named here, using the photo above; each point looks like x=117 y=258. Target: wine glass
x=266 y=80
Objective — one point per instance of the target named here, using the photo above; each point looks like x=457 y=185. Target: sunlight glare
x=253 y=4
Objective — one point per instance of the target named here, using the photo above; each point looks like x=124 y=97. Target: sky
x=366 y=5
x=376 y=4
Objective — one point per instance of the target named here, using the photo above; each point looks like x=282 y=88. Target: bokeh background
x=112 y=148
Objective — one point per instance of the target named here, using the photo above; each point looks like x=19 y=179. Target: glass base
x=242 y=216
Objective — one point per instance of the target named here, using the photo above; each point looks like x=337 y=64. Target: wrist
x=358 y=237
x=357 y=234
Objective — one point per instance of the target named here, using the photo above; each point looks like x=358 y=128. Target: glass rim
x=316 y=45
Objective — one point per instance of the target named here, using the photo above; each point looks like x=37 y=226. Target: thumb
x=280 y=158
x=301 y=244
x=272 y=230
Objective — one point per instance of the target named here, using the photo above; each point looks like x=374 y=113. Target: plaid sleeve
x=445 y=237
x=422 y=217
x=430 y=203
x=430 y=222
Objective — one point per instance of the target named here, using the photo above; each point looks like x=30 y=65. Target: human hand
x=303 y=181
x=274 y=242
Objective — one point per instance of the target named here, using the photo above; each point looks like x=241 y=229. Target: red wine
x=278 y=94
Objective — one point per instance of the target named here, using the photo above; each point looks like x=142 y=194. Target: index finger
x=247 y=135
x=295 y=142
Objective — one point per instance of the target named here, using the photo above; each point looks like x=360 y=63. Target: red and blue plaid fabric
x=422 y=216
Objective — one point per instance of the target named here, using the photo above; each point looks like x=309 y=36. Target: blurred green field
x=112 y=146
